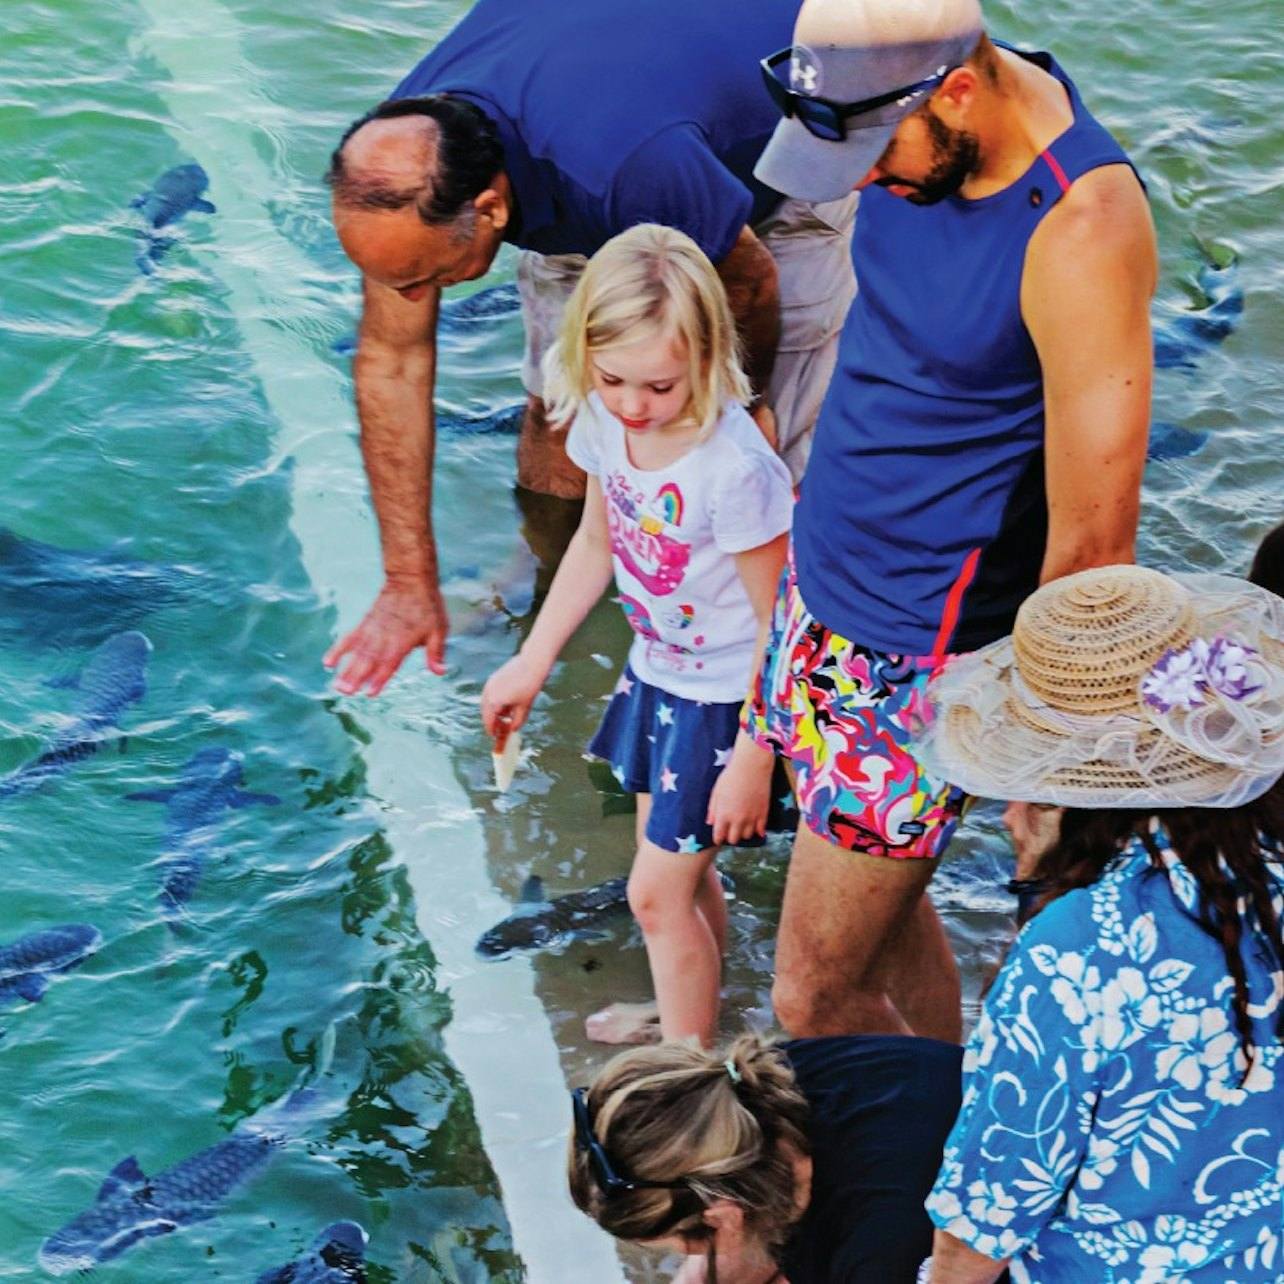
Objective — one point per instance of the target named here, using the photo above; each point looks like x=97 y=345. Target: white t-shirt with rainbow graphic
x=673 y=535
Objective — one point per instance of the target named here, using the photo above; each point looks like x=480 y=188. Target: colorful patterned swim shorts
x=844 y=716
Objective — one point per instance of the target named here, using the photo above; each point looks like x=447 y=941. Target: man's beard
x=954 y=160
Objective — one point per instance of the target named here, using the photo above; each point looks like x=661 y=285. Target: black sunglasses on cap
x=823 y=118
x=609 y=1181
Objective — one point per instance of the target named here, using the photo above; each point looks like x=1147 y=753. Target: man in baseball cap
x=856 y=69
x=984 y=431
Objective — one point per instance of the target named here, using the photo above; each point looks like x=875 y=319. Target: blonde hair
x=676 y=1112
x=648 y=282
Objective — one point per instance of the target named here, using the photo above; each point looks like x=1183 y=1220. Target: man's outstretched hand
x=406 y=614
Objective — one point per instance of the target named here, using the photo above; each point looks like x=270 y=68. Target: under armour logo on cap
x=804 y=71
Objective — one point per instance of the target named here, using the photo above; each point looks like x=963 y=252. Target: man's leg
x=921 y=976
x=849 y=922
x=544 y=284
x=859 y=948
x=550 y=489
x=548 y=525
x=542 y=462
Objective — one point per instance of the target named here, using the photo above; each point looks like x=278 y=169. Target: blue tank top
x=922 y=520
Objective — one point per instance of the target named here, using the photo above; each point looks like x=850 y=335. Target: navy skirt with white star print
x=674 y=749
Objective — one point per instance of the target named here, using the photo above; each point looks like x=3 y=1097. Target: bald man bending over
x=553 y=125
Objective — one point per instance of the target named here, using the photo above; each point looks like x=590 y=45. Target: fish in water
x=1172 y=441
x=114 y=678
x=27 y=963
x=490 y=304
x=1182 y=337
x=209 y=785
x=482 y=305
x=132 y=1207
x=506 y=419
x=60 y=597
x=337 y=1256
x=175 y=193
x=541 y=924
x=463 y=423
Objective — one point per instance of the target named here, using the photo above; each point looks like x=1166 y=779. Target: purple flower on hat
x=1182 y=678
x=1227 y=668
x=1177 y=681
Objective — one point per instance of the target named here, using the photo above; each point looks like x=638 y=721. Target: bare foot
x=625 y=1023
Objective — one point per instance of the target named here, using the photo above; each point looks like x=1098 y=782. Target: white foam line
x=499 y=1037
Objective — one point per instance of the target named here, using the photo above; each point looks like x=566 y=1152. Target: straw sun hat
x=1120 y=687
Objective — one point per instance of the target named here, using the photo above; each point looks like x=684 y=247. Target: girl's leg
x=713 y=905
x=709 y=897
x=639 y=1022
x=628 y=1022
x=684 y=952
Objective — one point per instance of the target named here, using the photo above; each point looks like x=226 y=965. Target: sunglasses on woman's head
x=608 y=1180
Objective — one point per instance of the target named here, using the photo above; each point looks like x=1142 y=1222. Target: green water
x=199 y=417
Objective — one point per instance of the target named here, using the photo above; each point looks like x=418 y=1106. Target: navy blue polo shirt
x=618 y=112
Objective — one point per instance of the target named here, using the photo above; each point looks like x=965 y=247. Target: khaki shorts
x=811 y=244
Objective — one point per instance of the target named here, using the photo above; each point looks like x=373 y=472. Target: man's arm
x=1089 y=276
x=393 y=372
x=753 y=289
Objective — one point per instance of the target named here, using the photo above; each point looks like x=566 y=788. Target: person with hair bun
x=1123 y=1105
x=805 y=1162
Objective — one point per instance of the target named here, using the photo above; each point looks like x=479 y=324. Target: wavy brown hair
x=676 y=1113
x=1234 y=854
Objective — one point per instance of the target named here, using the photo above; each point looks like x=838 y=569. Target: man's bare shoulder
x=1103 y=215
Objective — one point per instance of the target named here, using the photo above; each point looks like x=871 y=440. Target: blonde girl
x=688 y=509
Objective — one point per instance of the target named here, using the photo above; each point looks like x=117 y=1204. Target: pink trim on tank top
x=1057 y=172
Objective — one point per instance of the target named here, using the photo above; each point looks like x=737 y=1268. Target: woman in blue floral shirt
x=1123 y=1108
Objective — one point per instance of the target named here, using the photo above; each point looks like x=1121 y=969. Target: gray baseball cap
x=848 y=52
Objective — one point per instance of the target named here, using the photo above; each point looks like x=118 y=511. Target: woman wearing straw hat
x=1123 y=1109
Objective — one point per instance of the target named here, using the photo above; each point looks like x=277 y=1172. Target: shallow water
x=200 y=419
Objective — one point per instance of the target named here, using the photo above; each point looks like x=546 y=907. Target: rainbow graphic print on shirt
x=645 y=542
x=668 y=499
x=644 y=533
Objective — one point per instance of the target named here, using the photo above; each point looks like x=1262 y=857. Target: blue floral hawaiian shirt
x=1108 y=1133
